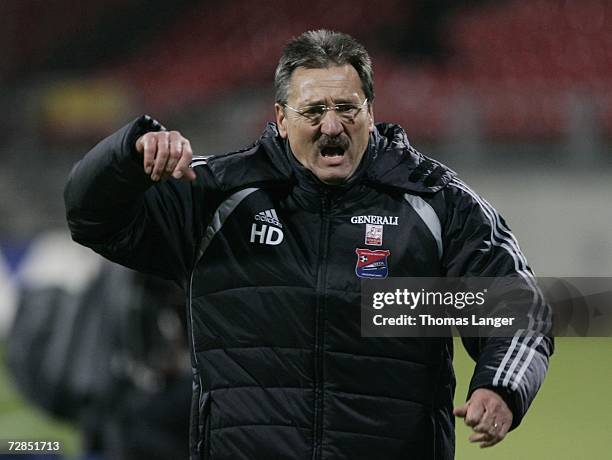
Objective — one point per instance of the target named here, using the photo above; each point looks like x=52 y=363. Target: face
x=333 y=146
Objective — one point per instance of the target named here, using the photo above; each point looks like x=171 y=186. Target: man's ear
x=281 y=120
x=371 y=117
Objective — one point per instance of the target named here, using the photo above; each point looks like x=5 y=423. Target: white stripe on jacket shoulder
x=198 y=160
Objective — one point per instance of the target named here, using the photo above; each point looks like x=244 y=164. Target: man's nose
x=331 y=124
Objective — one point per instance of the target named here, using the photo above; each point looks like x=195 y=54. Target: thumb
x=188 y=176
x=461 y=411
x=140 y=144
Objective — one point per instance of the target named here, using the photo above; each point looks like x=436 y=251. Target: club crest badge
x=374 y=235
x=372 y=263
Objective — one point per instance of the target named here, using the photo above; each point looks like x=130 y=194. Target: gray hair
x=319 y=49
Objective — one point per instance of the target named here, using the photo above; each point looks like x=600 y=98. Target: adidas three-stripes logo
x=268 y=216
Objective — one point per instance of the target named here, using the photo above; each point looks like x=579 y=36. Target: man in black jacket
x=271 y=243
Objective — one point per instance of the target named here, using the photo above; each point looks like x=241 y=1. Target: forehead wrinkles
x=312 y=85
x=325 y=92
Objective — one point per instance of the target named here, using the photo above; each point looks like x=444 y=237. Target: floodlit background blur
x=516 y=96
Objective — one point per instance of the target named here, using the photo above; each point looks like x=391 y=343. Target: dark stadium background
x=514 y=95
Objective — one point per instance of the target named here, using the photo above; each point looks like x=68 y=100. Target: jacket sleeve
x=114 y=208
x=478 y=243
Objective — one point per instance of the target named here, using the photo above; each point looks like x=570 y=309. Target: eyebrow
x=340 y=100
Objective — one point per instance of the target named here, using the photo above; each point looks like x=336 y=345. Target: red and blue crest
x=372 y=264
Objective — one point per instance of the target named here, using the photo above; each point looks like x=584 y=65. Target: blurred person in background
x=103 y=347
x=271 y=243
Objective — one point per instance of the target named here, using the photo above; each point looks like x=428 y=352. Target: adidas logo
x=266 y=230
x=268 y=216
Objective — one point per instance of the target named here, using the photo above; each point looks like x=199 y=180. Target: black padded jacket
x=269 y=260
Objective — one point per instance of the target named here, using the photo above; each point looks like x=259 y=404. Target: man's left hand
x=488 y=415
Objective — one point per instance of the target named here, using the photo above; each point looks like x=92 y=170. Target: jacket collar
x=389 y=162
x=395 y=163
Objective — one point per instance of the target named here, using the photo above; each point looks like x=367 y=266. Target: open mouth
x=332 y=151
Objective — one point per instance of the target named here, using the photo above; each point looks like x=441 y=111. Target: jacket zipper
x=319 y=329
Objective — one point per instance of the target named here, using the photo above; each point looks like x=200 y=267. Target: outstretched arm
x=123 y=200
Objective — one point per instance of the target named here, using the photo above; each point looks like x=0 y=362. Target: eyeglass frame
x=327 y=108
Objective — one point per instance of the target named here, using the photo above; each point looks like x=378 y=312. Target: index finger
x=474 y=414
x=149 y=151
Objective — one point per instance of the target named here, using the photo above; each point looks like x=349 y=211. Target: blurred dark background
x=478 y=83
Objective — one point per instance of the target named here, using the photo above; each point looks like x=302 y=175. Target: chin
x=333 y=179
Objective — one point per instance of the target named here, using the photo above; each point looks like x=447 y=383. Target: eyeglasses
x=315 y=113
